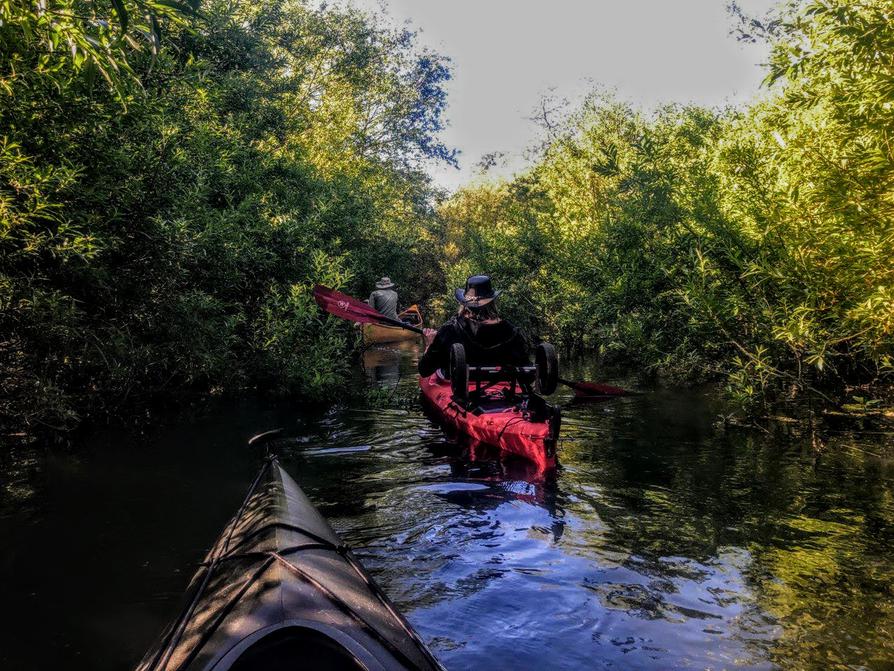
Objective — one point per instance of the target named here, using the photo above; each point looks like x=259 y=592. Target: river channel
x=663 y=541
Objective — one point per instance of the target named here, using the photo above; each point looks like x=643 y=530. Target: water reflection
x=382 y=363
x=660 y=542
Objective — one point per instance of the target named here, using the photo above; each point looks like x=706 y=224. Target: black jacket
x=499 y=344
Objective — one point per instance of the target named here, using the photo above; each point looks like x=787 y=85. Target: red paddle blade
x=344 y=306
x=595 y=389
x=347 y=307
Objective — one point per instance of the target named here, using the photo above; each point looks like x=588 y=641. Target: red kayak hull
x=504 y=427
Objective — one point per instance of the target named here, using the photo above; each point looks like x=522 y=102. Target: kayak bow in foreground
x=280 y=591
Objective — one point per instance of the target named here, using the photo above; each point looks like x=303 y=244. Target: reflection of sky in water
x=491 y=578
x=661 y=542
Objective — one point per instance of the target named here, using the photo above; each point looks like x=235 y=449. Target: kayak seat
x=296 y=649
x=490 y=405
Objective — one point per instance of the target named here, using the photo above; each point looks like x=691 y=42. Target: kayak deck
x=280 y=590
x=496 y=421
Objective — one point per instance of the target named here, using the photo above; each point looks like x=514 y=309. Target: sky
x=506 y=54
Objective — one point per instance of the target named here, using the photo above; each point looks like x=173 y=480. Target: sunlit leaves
x=272 y=145
x=56 y=40
x=762 y=240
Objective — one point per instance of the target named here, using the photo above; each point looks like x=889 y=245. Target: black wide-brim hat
x=481 y=290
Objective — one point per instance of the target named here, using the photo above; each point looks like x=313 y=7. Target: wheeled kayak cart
x=502 y=406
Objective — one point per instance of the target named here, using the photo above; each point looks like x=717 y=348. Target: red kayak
x=498 y=418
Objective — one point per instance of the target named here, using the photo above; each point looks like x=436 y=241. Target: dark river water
x=662 y=541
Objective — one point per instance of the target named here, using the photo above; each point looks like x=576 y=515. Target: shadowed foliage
x=173 y=180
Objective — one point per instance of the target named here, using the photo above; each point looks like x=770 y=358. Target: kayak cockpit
x=291 y=648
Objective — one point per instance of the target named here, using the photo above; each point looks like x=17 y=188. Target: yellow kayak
x=376 y=333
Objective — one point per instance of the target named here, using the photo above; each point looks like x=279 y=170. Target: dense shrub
x=756 y=243
x=173 y=182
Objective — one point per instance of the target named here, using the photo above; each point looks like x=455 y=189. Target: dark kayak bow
x=279 y=590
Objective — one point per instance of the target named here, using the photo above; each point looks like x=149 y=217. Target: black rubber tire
x=547 y=363
x=459 y=373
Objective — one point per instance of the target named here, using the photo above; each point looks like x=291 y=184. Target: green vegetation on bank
x=173 y=178
x=754 y=244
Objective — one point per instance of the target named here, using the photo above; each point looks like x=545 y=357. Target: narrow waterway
x=662 y=541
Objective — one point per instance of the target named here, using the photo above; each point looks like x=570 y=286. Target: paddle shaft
x=596 y=389
x=400 y=324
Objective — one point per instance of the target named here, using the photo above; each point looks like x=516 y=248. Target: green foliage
x=173 y=245
x=296 y=347
x=50 y=42
x=756 y=243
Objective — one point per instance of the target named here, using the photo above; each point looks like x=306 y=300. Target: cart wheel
x=459 y=373
x=547 y=364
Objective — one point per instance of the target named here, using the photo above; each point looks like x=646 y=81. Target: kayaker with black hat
x=384 y=298
x=488 y=339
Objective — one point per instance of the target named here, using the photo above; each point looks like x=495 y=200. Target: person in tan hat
x=384 y=298
x=488 y=339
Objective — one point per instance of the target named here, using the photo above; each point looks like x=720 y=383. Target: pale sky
x=507 y=53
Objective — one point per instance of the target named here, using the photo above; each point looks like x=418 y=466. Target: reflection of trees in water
x=818 y=534
x=660 y=516
x=824 y=570
x=22 y=476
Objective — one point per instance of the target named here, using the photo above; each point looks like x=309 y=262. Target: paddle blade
x=595 y=389
x=344 y=306
x=347 y=307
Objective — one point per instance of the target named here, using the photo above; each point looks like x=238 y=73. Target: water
x=662 y=541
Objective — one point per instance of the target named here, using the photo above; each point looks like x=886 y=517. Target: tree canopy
x=173 y=178
x=757 y=243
